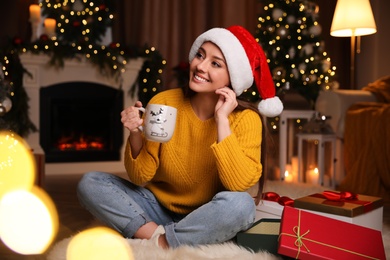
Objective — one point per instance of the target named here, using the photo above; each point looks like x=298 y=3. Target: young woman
x=191 y=190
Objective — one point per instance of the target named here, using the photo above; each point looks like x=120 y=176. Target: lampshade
x=353 y=18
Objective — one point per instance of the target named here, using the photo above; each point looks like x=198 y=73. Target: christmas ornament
x=7 y=104
x=282 y=32
x=278 y=73
x=307 y=49
x=44 y=37
x=277 y=14
x=311 y=8
x=326 y=65
x=271 y=29
x=315 y=29
x=291 y=52
x=17 y=41
x=2 y=110
x=78 y=6
x=295 y=73
x=291 y=19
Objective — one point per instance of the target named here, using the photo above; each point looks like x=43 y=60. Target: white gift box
x=269 y=209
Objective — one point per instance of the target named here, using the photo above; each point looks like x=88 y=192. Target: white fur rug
x=225 y=251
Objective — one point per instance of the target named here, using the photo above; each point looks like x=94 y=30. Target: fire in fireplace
x=80 y=122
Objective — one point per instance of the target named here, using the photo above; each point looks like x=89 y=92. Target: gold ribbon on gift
x=299 y=238
x=299 y=241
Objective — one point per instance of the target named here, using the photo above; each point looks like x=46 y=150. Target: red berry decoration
x=113 y=45
x=44 y=37
x=102 y=7
x=17 y=41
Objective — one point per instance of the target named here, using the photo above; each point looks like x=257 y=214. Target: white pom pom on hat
x=246 y=63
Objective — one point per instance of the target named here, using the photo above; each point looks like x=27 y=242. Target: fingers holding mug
x=130 y=118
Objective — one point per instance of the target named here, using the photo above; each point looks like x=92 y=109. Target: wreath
x=79 y=21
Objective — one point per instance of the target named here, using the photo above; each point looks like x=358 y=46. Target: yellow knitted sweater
x=192 y=167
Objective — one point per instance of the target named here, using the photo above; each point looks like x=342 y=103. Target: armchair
x=335 y=104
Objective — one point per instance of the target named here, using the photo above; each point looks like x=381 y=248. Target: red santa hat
x=246 y=62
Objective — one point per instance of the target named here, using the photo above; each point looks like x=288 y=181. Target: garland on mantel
x=92 y=16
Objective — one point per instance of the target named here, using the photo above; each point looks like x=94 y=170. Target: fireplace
x=80 y=122
x=60 y=96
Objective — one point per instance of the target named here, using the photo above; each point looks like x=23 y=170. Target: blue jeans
x=126 y=207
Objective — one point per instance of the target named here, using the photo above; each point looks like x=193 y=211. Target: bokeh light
x=28 y=220
x=99 y=243
x=17 y=166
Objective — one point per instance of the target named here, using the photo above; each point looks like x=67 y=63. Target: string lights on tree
x=290 y=35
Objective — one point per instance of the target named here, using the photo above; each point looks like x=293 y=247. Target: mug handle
x=143 y=111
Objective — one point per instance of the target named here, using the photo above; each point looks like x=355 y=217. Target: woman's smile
x=201 y=79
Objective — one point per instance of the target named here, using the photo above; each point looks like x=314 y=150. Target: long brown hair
x=242 y=105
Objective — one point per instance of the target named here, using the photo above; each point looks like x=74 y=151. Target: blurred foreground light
x=100 y=243
x=28 y=221
x=17 y=165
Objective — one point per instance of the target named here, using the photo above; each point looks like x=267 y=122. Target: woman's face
x=208 y=69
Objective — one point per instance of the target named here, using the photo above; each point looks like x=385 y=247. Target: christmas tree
x=290 y=35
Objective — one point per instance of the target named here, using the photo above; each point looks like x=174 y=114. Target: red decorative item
x=17 y=41
x=76 y=24
x=339 y=196
x=282 y=200
x=304 y=235
x=44 y=37
x=183 y=65
x=102 y=7
x=113 y=45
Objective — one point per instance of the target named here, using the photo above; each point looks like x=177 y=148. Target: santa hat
x=246 y=62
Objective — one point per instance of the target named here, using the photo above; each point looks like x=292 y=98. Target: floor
x=73 y=218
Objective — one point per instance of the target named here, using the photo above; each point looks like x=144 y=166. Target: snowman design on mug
x=157 y=121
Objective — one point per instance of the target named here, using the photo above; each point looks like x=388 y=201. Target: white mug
x=159 y=122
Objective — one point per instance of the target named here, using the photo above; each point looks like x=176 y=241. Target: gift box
x=304 y=235
x=271 y=206
x=263 y=235
x=361 y=210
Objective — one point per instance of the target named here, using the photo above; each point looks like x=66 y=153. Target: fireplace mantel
x=43 y=75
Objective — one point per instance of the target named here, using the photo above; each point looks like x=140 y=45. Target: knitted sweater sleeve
x=143 y=168
x=238 y=155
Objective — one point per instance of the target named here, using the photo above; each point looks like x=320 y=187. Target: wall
x=374 y=60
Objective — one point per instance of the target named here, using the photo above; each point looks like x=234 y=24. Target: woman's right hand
x=131 y=119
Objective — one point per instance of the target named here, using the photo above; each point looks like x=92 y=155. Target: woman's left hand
x=226 y=103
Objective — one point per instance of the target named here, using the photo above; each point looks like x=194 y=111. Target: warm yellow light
x=99 y=243
x=353 y=18
x=28 y=221
x=17 y=165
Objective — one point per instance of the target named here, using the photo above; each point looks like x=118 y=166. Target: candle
x=50 y=27
x=288 y=177
x=294 y=163
x=35 y=13
x=313 y=176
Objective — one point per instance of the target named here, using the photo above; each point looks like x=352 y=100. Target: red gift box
x=304 y=235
